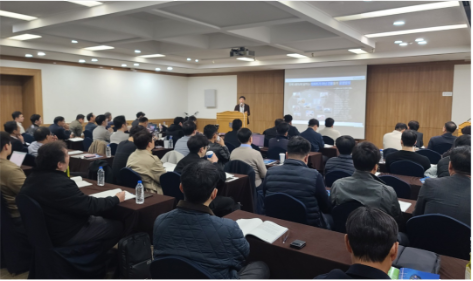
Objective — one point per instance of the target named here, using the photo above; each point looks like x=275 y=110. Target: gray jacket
x=100 y=133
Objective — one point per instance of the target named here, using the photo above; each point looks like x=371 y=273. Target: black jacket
x=16 y=145
x=176 y=132
x=407 y=155
x=269 y=134
x=60 y=132
x=66 y=209
x=442 y=167
x=232 y=138
x=420 y=139
x=293 y=131
x=192 y=158
x=124 y=150
x=247 y=108
x=356 y=271
x=445 y=138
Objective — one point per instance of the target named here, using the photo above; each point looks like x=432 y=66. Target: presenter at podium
x=243 y=107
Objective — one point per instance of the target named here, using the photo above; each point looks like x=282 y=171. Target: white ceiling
x=208 y=30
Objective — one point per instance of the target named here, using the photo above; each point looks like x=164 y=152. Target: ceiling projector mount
x=243 y=54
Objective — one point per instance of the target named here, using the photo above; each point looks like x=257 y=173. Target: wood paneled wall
x=11 y=97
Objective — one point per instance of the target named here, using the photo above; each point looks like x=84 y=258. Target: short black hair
x=16 y=114
x=10 y=126
x=413 y=125
x=244 y=135
x=298 y=146
x=137 y=129
x=118 y=122
x=462 y=140
x=143 y=120
x=178 y=120
x=409 y=138
x=466 y=130
x=4 y=139
x=329 y=122
x=371 y=234
x=450 y=126
x=188 y=127
x=195 y=143
x=365 y=156
x=41 y=133
x=89 y=116
x=400 y=127
x=287 y=118
x=139 y=114
x=242 y=97
x=34 y=118
x=58 y=119
x=210 y=130
x=278 y=121
x=99 y=119
x=283 y=128
x=50 y=154
x=107 y=114
x=80 y=116
x=313 y=122
x=461 y=159
x=236 y=124
x=199 y=181
x=142 y=139
x=345 y=144
x=192 y=118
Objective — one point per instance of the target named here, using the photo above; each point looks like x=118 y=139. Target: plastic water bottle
x=108 y=151
x=381 y=152
x=101 y=177
x=140 y=193
x=170 y=142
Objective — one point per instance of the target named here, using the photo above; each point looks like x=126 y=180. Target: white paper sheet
x=404 y=205
x=76 y=139
x=75 y=152
x=169 y=167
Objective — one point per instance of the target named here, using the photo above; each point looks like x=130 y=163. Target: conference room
x=235 y=139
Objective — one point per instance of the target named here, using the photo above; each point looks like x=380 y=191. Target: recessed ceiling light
x=24 y=37
x=74 y=41
x=16 y=16
x=123 y=65
x=398 y=23
x=87 y=3
x=419 y=39
x=246 y=59
x=357 y=51
x=189 y=59
x=41 y=54
x=403 y=44
x=136 y=64
x=398 y=42
x=94 y=60
x=169 y=68
x=29 y=55
x=152 y=56
x=137 y=51
x=196 y=60
x=81 y=61
x=402 y=10
x=422 y=42
x=298 y=56
x=409 y=31
x=157 y=69
x=99 y=48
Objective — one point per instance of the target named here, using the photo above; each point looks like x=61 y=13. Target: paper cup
x=282 y=157
x=209 y=154
x=166 y=144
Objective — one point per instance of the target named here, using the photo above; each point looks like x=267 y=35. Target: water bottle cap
x=100 y=167
x=108 y=144
x=139 y=181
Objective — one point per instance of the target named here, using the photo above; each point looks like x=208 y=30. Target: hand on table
x=121 y=196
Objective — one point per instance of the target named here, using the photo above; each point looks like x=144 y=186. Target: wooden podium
x=225 y=119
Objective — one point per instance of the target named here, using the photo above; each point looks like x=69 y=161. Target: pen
x=285 y=237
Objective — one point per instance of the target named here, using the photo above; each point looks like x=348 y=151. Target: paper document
x=169 y=166
x=75 y=139
x=328 y=145
x=404 y=205
x=267 y=231
x=75 y=152
x=377 y=174
x=80 y=183
x=113 y=192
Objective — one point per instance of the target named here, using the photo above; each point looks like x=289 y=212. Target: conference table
x=330 y=152
x=27 y=169
x=414 y=182
x=81 y=165
x=75 y=145
x=324 y=251
x=160 y=151
x=314 y=162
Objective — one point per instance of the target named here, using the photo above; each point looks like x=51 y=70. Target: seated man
x=247 y=154
x=100 y=133
x=393 y=139
x=198 y=146
x=216 y=144
x=232 y=136
x=466 y=130
x=192 y=231
x=442 y=165
x=19 y=118
x=145 y=163
x=271 y=132
x=91 y=122
x=175 y=130
x=364 y=187
x=143 y=121
x=119 y=123
x=41 y=136
x=189 y=129
x=408 y=152
x=371 y=240
x=70 y=215
x=108 y=116
x=60 y=128
x=329 y=131
x=292 y=130
x=124 y=150
x=137 y=120
x=451 y=195
x=301 y=182
x=281 y=140
x=315 y=139
x=344 y=162
x=16 y=139
x=414 y=126
x=36 y=121
x=76 y=125
x=448 y=129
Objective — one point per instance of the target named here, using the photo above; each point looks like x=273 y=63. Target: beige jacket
x=12 y=178
x=99 y=147
x=149 y=167
x=330 y=132
x=252 y=158
x=392 y=140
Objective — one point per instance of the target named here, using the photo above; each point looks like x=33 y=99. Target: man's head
x=108 y=115
x=91 y=117
x=345 y=144
x=400 y=127
x=189 y=128
x=137 y=129
x=244 y=136
x=43 y=135
x=199 y=182
x=313 y=123
x=466 y=130
x=462 y=140
x=366 y=156
x=178 y=121
x=408 y=138
x=242 y=99
x=413 y=125
x=36 y=119
x=450 y=127
x=53 y=156
x=11 y=128
x=236 y=124
x=298 y=148
x=119 y=123
x=140 y=114
x=288 y=119
x=143 y=121
x=329 y=122
x=283 y=129
x=143 y=140
x=210 y=131
x=460 y=161
x=278 y=121
x=59 y=121
x=80 y=118
x=18 y=116
x=5 y=144
x=198 y=144
x=101 y=120
x=193 y=119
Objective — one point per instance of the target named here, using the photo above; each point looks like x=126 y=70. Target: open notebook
x=80 y=183
x=267 y=231
x=169 y=166
x=113 y=192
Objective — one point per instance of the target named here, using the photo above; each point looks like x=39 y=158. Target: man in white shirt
x=190 y=130
x=100 y=133
x=41 y=136
x=329 y=131
x=19 y=118
x=393 y=139
x=119 y=123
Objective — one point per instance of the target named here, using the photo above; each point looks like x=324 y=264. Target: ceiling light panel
x=87 y=3
x=246 y=59
x=99 y=48
x=399 y=23
x=16 y=16
x=298 y=56
x=410 y=31
x=152 y=56
x=24 y=37
x=357 y=51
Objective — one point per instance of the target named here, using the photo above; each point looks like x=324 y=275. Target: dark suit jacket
x=445 y=138
x=279 y=141
x=293 y=131
x=315 y=139
x=16 y=145
x=60 y=132
x=356 y=271
x=247 y=108
x=232 y=138
x=269 y=134
x=420 y=139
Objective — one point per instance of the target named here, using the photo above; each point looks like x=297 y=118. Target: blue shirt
x=246 y=145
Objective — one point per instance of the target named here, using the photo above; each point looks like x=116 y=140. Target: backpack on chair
x=134 y=257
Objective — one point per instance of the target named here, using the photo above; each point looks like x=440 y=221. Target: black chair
x=88 y=134
x=240 y=167
x=285 y=207
x=273 y=153
x=402 y=188
x=327 y=140
x=334 y=175
x=170 y=182
x=85 y=261
x=388 y=151
x=174 y=267
x=28 y=138
x=433 y=156
x=113 y=148
x=407 y=168
x=255 y=147
x=442 y=148
x=340 y=214
x=440 y=234
x=87 y=143
x=128 y=177
x=230 y=147
x=29 y=160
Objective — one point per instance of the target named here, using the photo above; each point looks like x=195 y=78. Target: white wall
x=226 y=88
x=461 y=105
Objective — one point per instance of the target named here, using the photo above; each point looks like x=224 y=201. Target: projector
x=241 y=52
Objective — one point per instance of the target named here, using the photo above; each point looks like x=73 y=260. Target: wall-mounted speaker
x=210 y=98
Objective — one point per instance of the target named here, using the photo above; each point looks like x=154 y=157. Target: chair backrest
x=28 y=138
x=230 y=147
x=88 y=134
x=407 y=168
x=442 y=148
x=285 y=207
x=29 y=160
x=172 y=156
x=128 y=177
x=433 y=156
x=87 y=142
x=328 y=140
x=388 y=151
x=240 y=167
x=170 y=182
x=334 y=175
x=340 y=214
x=174 y=267
x=273 y=153
x=440 y=234
x=402 y=188
x=113 y=147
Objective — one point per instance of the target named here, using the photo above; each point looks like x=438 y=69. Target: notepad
x=404 y=205
x=113 y=192
x=169 y=166
x=75 y=139
x=80 y=183
x=230 y=177
x=267 y=231
x=269 y=161
x=75 y=152
x=328 y=145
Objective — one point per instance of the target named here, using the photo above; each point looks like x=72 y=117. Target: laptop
x=258 y=140
x=152 y=127
x=18 y=157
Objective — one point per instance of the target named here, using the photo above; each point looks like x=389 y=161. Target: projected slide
x=336 y=92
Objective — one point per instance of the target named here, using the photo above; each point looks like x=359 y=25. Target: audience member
x=143 y=121
x=232 y=136
x=414 y=126
x=119 y=123
x=281 y=140
x=364 y=187
x=76 y=125
x=175 y=130
x=315 y=139
x=16 y=139
x=145 y=163
x=408 y=152
x=198 y=146
x=108 y=115
x=247 y=154
x=192 y=118
x=329 y=131
x=371 y=240
x=447 y=138
x=272 y=132
x=393 y=139
x=216 y=144
x=466 y=130
x=41 y=136
x=189 y=129
x=60 y=128
x=124 y=150
x=137 y=120
x=100 y=133
x=215 y=244
x=442 y=165
x=451 y=195
x=19 y=118
x=36 y=121
x=91 y=122
x=344 y=161
x=292 y=130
